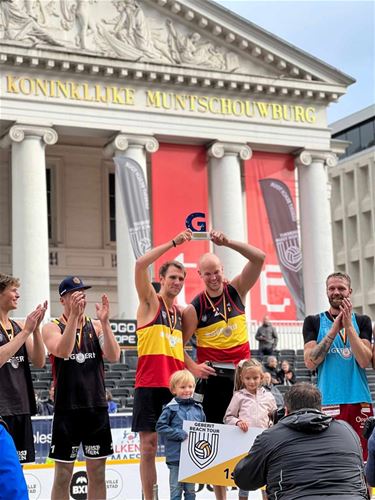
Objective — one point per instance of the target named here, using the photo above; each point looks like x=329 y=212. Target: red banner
x=179 y=187
x=270 y=295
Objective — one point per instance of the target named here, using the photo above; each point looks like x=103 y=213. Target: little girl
x=251 y=404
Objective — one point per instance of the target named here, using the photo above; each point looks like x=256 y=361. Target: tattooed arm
x=315 y=353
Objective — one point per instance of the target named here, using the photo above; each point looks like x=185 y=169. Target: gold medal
x=227 y=330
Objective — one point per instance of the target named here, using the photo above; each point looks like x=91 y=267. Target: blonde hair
x=6 y=280
x=180 y=377
x=243 y=365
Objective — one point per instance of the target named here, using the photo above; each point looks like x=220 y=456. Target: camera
x=278 y=415
x=368 y=427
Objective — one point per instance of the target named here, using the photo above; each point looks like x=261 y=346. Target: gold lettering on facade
x=157 y=99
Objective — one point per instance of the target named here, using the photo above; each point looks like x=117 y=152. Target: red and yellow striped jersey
x=217 y=339
x=160 y=349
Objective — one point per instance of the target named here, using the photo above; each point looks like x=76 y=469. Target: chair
x=41 y=385
x=129 y=402
x=283 y=388
x=131 y=362
x=112 y=376
x=120 y=393
x=287 y=352
x=118 y=367
x=110 y=384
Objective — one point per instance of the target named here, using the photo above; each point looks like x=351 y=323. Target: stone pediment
x=194 y=42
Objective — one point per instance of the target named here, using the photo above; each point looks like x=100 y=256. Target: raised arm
x=250 y=273
x=59 y=345
x=10 y=348
x=361 y=348
x=107 y=340
x=146 y=293
x=315 y=353
x=34 y=343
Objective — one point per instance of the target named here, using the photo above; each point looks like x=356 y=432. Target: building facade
x=353 y=206
x=206 y=103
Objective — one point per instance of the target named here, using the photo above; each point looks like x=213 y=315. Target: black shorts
x=87 y=426
x=217 y=396
x=148 y=404
x=21 y=430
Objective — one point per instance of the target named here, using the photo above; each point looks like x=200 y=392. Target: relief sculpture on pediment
x=114 y=28
x=20 y=23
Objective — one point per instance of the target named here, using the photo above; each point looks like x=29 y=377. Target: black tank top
x=79 y=379
x=16 y=388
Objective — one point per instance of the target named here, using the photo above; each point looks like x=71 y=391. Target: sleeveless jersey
x=160 y=350
x=214 y=341
x=16 y=387
x=340 y=378
x=80 y=384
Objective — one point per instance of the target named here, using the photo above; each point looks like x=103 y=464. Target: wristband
x=330 y=338
x=174 y=243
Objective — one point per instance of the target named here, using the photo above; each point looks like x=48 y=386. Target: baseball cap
x=71 y=284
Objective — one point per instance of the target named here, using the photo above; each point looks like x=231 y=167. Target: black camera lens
x=368 y=427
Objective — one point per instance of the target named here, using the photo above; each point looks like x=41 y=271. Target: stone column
x=316 y=227
x=227 y=199
x=30 y=253
x=135 y=147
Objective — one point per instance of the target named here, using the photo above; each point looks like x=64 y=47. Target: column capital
x=18 y=132
x=124 y=141
x=306 y=157
x=220 y=149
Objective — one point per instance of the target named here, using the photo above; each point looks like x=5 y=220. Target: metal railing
x=289 y=333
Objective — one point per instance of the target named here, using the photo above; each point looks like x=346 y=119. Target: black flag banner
x=134 y=196
x=282 y=220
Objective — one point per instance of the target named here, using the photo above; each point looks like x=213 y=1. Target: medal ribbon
x=9 y=335
x=171 y=326
x=342 y=332
x=79 y=335
x=224 y=315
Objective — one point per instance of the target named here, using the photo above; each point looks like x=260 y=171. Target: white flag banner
x=134 y=196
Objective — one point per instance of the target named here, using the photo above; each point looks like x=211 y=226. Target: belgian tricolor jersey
x=218 y=339
x=160 y=348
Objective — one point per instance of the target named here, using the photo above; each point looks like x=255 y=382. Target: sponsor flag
x=283 y=224
x=134 y=196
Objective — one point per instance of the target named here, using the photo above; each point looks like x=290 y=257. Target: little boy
x=182 y=407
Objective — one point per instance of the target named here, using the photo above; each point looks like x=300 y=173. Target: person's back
x=306 y=455
x=320 y=456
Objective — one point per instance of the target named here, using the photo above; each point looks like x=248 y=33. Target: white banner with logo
x=211 y=451
x=122 y=470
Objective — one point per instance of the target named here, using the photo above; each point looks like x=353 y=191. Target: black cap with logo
x=71 y=284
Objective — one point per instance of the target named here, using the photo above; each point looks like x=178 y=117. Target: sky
x=340 y=33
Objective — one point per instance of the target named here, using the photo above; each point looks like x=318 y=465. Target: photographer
x=307 y=454
x=369 y=434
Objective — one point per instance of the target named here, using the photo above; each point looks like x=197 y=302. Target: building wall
x=353 y=225
x=80 y=227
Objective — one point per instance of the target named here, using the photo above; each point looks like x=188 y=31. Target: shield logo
x=139 y=237
x=288 y=250
x=203 y=447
